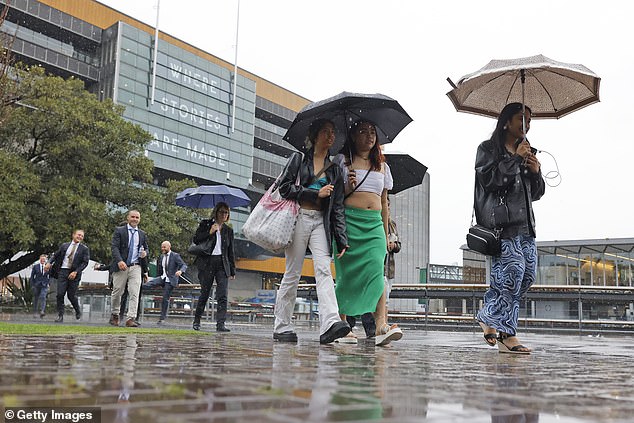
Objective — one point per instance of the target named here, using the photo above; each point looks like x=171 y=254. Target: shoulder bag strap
x=359 y=184
x=323 y=169
x=276 y=184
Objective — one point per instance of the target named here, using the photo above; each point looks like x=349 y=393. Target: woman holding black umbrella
x=360 y=283
x=508 y=180
x=321 y=218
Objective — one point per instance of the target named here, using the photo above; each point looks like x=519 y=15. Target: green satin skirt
x=359 y=273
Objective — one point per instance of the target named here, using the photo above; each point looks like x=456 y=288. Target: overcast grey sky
x=406 y=50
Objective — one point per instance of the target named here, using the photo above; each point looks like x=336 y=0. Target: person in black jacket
x=39 y=284
x=67 y=265
x=321 y=215
x=218 y=264
x=508 y=172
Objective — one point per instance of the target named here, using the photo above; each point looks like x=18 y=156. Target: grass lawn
x=60 y=329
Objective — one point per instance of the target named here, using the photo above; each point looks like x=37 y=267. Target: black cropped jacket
x=502 y=174
x=334 y=218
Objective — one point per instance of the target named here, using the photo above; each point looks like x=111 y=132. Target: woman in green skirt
x=360 y=285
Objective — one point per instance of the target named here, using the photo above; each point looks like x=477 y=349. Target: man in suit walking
x=39 y=285
x=66 y=265
x=170 y=267
x=129 y=247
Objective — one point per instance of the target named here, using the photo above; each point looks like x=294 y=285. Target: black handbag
x=484 y=240
x=202 y=249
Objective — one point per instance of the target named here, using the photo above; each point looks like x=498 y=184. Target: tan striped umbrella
x=551 y=89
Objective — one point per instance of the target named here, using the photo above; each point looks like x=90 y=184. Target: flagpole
x=156 y=34
x=235 y=73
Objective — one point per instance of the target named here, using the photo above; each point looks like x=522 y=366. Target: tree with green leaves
x=71 y=161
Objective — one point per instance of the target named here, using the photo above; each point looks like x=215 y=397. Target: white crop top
x=376 y=182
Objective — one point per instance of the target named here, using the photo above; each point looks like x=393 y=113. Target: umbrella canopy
x=551 y=89
x=207 y=196
x=345 y=109
x=406 y=171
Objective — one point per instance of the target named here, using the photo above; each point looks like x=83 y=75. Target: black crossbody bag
x=485 y=240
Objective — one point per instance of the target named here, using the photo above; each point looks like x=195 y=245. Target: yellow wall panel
x=276 y=265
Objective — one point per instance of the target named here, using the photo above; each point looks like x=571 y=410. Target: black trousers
x=167 y=293
x=369 y=324
x=208 y=271
x=68 y=288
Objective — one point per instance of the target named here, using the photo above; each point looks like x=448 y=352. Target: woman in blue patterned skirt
x=508 y=172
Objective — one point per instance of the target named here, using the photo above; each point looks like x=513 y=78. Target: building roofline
x=92 y=11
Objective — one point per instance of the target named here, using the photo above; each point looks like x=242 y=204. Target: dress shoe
x=130 y=323
x=60 y=319
x=78 y=315
x=222 y=328
x=114 y=320
x=337 y=330
x=287 y=336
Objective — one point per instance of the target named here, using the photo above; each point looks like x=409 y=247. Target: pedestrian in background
x=393 y=247
x=218 y=265
x=129 y=247
x=169 y=267
x=39 y=285
x=66 y=265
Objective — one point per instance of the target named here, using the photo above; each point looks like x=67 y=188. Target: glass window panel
x=586 y=270
x=608 y=265
x=76 y=25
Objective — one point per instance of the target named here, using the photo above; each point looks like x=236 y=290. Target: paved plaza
x=243 y=376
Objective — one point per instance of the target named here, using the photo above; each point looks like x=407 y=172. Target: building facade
x=604 y=266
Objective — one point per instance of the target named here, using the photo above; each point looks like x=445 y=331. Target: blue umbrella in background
x=207 y=196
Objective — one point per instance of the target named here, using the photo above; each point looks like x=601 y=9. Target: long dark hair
x=349 y=149
x=499 y=134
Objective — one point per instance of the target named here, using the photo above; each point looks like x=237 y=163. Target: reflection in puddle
x=247 y=377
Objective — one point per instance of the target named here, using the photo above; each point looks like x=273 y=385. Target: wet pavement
x=243 y=376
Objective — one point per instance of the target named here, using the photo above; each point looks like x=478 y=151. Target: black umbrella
x=345 y=109
x=406 y=171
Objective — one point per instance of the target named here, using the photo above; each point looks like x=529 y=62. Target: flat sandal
x=388 y=334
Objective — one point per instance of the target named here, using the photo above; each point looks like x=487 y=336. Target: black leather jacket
x=226 y=246
x=334 y=218
x=500 y=173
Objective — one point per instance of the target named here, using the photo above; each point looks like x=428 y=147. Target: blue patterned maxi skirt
x=512 y=273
